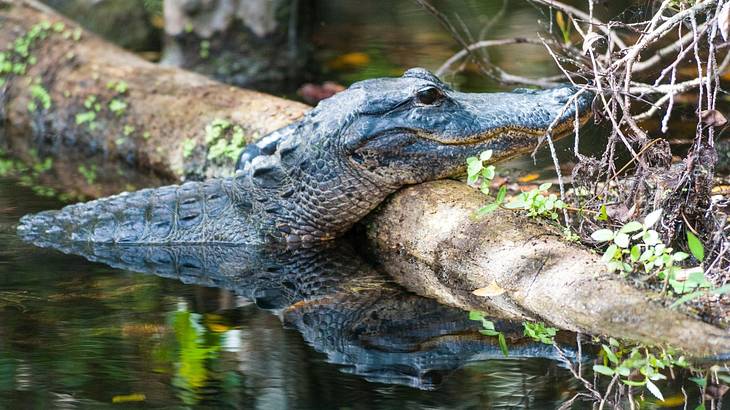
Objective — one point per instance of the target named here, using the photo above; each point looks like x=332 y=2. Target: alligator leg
x=190 y=213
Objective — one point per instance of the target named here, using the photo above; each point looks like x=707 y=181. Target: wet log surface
x=424 y=236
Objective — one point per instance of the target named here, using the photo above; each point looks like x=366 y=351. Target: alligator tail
x=170 y=214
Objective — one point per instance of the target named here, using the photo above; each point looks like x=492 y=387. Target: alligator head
x=351 y=151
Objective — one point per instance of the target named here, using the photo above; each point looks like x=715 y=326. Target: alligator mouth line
x=560 y=130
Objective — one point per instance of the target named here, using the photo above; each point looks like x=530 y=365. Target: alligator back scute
x=192 y=212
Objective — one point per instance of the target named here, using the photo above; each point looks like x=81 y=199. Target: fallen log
x=428 y=240
x=77 y=97
x=173 y=121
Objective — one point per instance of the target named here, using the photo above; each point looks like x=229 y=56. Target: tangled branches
x=637 y=71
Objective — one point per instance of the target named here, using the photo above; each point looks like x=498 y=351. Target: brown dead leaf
x=713 y=118
x=489 y=291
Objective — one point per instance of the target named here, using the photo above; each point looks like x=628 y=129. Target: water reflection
x=357 y=318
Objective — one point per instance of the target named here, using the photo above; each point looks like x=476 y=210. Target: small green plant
x=89 y=173
x=204 y=49
x=538 y=203
x=120 y=87
x=39 y=98
x=219 y=146
x=188 y=146
x=128 y=130
x=481 y=175
x=539 y=332
x=637 y=243
x=489 y=330
x=117 y=106
x=637 y=366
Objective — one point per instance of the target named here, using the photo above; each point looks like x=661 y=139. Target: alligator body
x=311 y=181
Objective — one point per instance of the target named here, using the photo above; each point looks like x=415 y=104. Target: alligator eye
x=429 y=96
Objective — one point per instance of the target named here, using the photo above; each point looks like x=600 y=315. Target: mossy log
x=113 y=112
x=427 y=238
x=424 y=236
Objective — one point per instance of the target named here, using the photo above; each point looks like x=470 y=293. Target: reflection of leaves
x=195 y=347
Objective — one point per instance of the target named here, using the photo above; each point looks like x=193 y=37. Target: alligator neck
x=306 y=191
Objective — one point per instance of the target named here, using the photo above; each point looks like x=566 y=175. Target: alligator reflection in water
x=341 y=306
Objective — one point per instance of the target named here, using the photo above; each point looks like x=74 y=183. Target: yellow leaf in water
x=349 y=61
x=529 y=177
x=671 y=401
x=128 y=398
x=489 y=291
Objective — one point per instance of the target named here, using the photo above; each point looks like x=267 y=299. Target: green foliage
x=117 y=106
x=481 y=175
x=636 y=243
x=539 y=332
x=489 y=330
x=204 y=49
x=224 y=140
x=89 y=173
x=39 y=98
x=120 y=87
x=188 y=146
x=695 y=246
x=536 y=203
x=637 y=366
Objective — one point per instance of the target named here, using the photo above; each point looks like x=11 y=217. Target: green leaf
x=488 y=172
x=485 y=155
x=622 y=240
x=610 y=355
x=486 y=210
x=652 y=218
x=679 y=256
x=700 y=407
x=602 y=214
x=603 y=235
x=631 y=227
x=635 y=253
x=609 y=254
x=474 y=168
x=651 y=237
x=633 y=383
x=604 y=370
x=476 y=315
x=503 y=344
x=695 y=246
x=501 y=194
x=544 y=187
x=700 y=381
x=654 y=390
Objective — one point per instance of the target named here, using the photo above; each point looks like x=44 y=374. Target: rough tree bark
x=424 y=235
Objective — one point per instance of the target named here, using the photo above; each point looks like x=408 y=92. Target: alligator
x=312 y=180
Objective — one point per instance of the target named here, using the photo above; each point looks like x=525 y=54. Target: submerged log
x=173 y=121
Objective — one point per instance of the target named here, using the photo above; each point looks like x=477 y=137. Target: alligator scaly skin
x=312 y=180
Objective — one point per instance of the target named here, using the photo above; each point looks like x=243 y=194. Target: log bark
x=427 y=239
x=424 y=236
